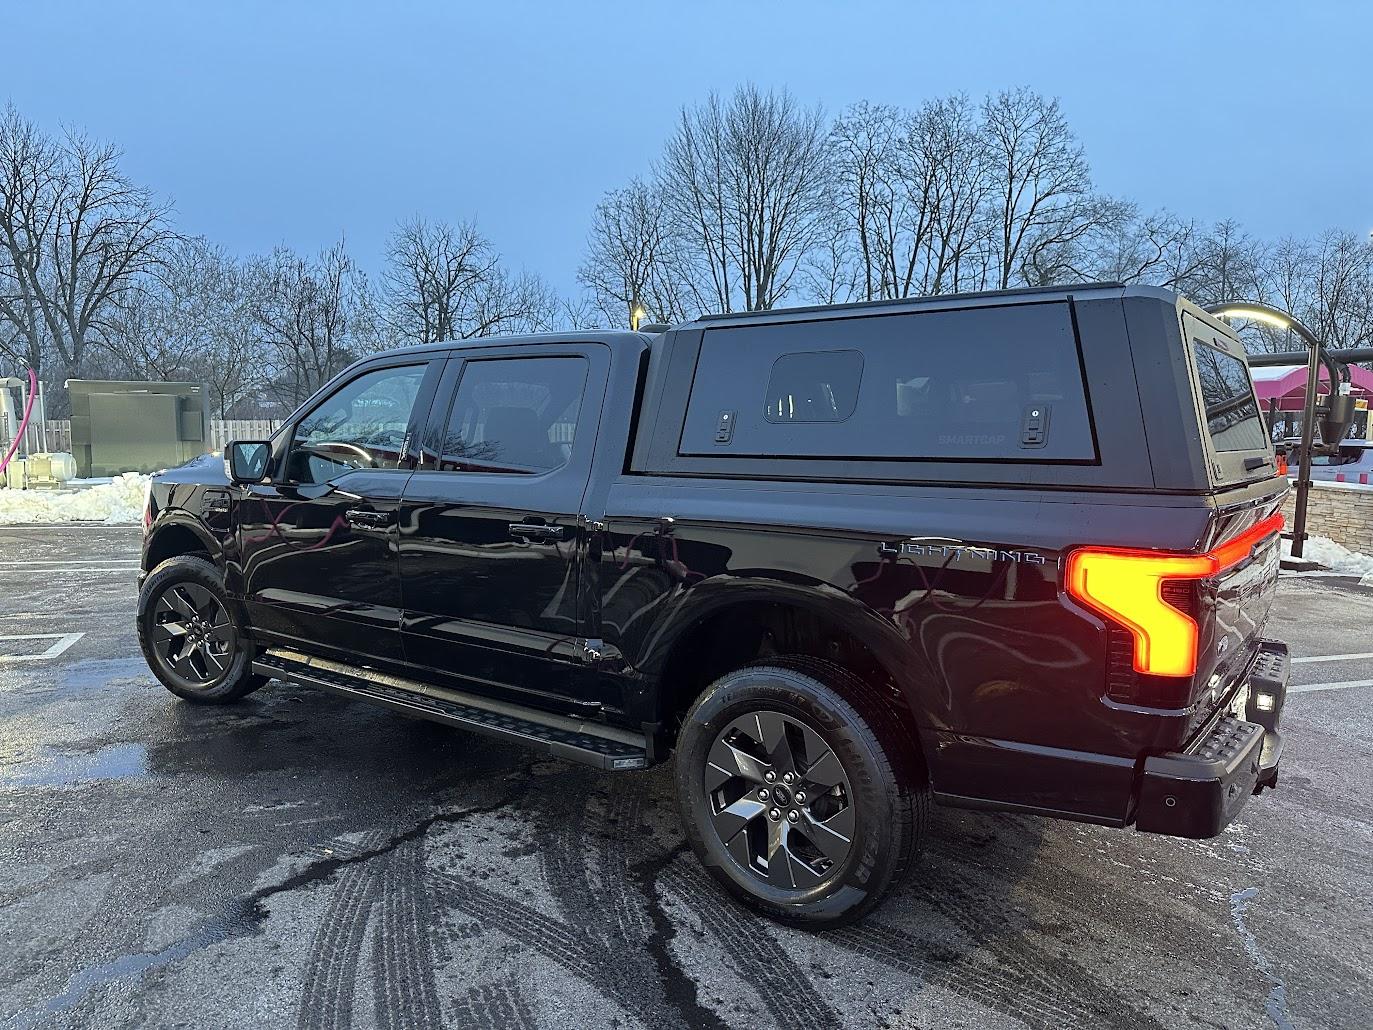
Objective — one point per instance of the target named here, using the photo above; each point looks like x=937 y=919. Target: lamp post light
x=636 y=315
x=1316 y=353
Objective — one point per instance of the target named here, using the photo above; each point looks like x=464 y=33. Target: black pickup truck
x=1011 y=550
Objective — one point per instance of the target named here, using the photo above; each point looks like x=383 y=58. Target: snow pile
x=1335 y=557
x=120 y=501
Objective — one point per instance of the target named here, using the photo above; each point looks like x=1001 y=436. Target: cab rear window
x=993 y=384
x=1232 y=413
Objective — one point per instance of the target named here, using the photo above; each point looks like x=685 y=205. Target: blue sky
x=293 y=122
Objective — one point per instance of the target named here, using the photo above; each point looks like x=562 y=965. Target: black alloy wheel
x=189 y=636
x=801 y=790
x=780 y=800
x=192 y=634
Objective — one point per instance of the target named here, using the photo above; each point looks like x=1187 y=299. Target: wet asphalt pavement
x=301 y=860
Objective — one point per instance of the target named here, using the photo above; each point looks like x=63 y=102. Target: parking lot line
x=1320 y=574
x=1306 y=688
x=91 y=570
x=1359 y=656
x=82 y=561
x=61 y=641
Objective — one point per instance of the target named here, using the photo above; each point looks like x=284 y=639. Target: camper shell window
x=986 y=384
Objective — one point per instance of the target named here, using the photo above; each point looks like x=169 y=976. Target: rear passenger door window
x=979 y=384
x=516 y=416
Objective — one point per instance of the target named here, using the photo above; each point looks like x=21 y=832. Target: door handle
x=364 y=519
x=535 y=531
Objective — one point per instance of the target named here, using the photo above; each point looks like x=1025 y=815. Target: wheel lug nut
x=801 y=797
x=788 y=778
x=763 y=794
x=769 y=776
x=774 y=814
x=792 y=816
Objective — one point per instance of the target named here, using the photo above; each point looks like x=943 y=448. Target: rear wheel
x=798 y=791
x=189 y=636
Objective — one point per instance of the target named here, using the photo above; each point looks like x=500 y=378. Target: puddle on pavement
x=101 y=672
x=54 y=768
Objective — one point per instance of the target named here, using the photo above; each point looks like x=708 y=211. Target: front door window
x=362 y=425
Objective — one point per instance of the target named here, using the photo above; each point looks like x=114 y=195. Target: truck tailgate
x=1235 y=607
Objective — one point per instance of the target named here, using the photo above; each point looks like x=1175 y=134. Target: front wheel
x=799 y=792
x=190 y=638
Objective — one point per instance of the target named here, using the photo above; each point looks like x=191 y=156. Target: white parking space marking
x=53 y=567
x=1306 y=688
x=1320 y=574
x=92 y=570
x=1333 y=657
x=61 y=641
x=83 y=561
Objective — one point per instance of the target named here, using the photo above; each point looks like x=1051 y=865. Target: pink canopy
x=1288 y=384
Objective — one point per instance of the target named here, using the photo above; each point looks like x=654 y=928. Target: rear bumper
x=1199 y=791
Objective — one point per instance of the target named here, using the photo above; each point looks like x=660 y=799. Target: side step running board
x=564 y=737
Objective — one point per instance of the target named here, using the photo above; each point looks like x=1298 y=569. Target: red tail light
x=1127 y=587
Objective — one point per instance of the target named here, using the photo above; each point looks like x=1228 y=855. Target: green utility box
x=136 y=427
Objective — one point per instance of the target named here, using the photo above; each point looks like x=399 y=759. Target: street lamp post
x=1315 y=354
x=636 y=315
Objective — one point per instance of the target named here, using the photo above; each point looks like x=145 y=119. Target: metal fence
x=221 y=431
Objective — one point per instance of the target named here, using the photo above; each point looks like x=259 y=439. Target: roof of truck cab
x=608 y=336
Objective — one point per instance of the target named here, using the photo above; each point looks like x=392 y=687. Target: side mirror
x=249 y=461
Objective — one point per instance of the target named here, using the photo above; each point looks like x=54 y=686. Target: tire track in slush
x=1013 y=977
x=577 y=951
x=571 y=948
x=780 y=984
x=498 y=1006
x=619 y=898
x=1075 y=986
x=973 y=978
x=604 y=897
x=385 y=893
x=755 y=954
x=331 y=971
x=405 y=992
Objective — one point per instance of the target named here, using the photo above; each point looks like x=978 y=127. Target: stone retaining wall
x=1342 y=512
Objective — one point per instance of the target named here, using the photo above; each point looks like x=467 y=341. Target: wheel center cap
x=780 y=795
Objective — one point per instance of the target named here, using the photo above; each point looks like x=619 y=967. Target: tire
x=206 y=658
x=879 y=782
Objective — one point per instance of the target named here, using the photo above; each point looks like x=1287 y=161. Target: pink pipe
x=23 y=422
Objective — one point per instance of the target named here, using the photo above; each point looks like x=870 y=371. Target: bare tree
x=515 y=303
x=161 y=326
x=632 y=257
x=76 y=235
x=745 y=182
x=864 y=143
x=1122 y=245
x=435 y=273
x=833 y=272
x=232 y=364
x=446 y=282
x=1340 y=310
x=1230 y=265
x=949 y=140
x=579 y=313
x=303 y=312
x=1043 y=188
